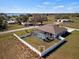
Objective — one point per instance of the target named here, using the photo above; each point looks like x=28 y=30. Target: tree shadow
x=52 y=51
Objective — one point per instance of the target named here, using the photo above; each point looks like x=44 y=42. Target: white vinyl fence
x=51 y=48
x=31 y=47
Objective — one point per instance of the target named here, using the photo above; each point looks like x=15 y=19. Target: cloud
x=43 y=7
x=43 y=4
x=59 y=6
x=73 y=6
x=74 y=3
x=13 y=10
x=46 y=3
x=70 y=8
x=39 y=6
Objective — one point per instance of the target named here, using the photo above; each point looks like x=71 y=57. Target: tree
x=18 y=19
x=62 y=16
x=3 y=22
x=39 y=18
x=22 y=18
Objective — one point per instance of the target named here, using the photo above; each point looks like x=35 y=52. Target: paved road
x=18 y=30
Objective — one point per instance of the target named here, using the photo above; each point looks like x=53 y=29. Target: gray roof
x=50 y=28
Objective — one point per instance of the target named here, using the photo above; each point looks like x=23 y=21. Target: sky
x=39 y=6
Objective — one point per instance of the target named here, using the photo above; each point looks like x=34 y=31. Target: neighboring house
x=11 y=21
x=49 y=31
x=26 y=24
x=23 y=23
x=63 y=20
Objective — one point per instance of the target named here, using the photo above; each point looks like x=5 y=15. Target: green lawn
x=70 y=50
x=14 y=26
x=37 y=43
x=23 y=32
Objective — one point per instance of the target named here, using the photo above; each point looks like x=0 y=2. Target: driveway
x=71 y=29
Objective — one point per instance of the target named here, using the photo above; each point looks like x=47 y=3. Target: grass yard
x=23 y=32
x=37 y=43
x=11 y=48
x=14 y=26
x=70 y=50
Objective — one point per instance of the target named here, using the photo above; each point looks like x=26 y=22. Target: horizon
x=39 y=6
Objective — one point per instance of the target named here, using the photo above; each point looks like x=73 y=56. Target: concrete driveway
x=71 y=29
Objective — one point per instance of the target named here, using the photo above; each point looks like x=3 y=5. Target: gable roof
x=50 y=28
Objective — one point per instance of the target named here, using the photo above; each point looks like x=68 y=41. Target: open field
x=70 y=50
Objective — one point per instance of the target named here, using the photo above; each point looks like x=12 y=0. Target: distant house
x=26 y=24
x=49 y=31
x=23 y=23
x=11 y=21
x=63 y=20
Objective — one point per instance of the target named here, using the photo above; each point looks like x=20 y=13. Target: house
x=23 y=23
x=49 y=31
x=43 y=39
x=11 y=21
x=26 y=24
x=63 y=20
